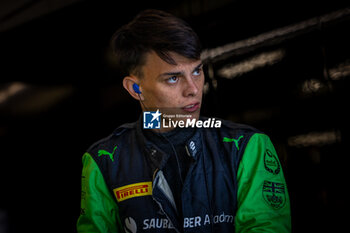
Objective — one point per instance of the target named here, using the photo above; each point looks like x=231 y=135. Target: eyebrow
x=179 y=73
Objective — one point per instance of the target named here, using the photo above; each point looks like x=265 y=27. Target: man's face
x=174 y=89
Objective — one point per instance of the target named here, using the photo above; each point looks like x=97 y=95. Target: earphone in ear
x=136 y=88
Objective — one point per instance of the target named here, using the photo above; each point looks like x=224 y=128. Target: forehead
x=155 y=66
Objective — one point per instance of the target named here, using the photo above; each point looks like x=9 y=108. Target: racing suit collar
x=157 y=156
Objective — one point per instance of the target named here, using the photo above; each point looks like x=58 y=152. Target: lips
x=191 y=107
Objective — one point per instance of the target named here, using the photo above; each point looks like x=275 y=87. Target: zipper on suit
x=161 y=208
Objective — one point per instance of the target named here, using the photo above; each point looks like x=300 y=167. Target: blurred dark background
x=280 y=66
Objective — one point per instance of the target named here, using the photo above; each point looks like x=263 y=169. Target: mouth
x=191 y=107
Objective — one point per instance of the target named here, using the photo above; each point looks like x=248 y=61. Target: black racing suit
x=234 y=184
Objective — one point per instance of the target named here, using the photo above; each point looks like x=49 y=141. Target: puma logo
x=225 y=139
x=104 y=152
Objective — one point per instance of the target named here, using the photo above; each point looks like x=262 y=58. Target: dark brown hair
x=153 y=30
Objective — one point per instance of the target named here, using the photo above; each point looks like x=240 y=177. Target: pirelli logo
x=133 y=190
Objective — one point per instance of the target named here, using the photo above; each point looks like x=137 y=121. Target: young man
x=223 y=177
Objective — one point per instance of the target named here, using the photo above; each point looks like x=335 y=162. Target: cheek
x=165 y=98
x=170 y=99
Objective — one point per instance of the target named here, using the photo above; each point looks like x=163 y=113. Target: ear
x=128 y=81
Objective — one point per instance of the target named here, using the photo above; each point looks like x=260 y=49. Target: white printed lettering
x=152 y=223
x=157 y=223
x=222 y=218
x=206 y=220
x=197 y=221
x=192 y=222
x=145 y=224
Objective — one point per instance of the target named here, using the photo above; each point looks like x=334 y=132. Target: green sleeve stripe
x=262 y=196
x=99 y=211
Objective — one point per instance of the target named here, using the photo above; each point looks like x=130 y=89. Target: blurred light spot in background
x=315 y=139
x=11 y=90
x=312 y=86
x=341 y=71
x=248 y=65
x=18 y=98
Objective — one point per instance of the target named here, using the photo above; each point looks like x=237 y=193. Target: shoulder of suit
x=232 y=126
x=113 y=139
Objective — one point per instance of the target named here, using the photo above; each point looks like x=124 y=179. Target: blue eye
x=197 y=72
x=172 y=79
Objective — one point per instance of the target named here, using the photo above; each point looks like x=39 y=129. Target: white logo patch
x=130 y=225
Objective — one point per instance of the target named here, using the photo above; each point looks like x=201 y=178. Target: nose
x=191 y=88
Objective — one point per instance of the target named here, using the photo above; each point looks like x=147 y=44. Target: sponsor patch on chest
x=133 y=190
